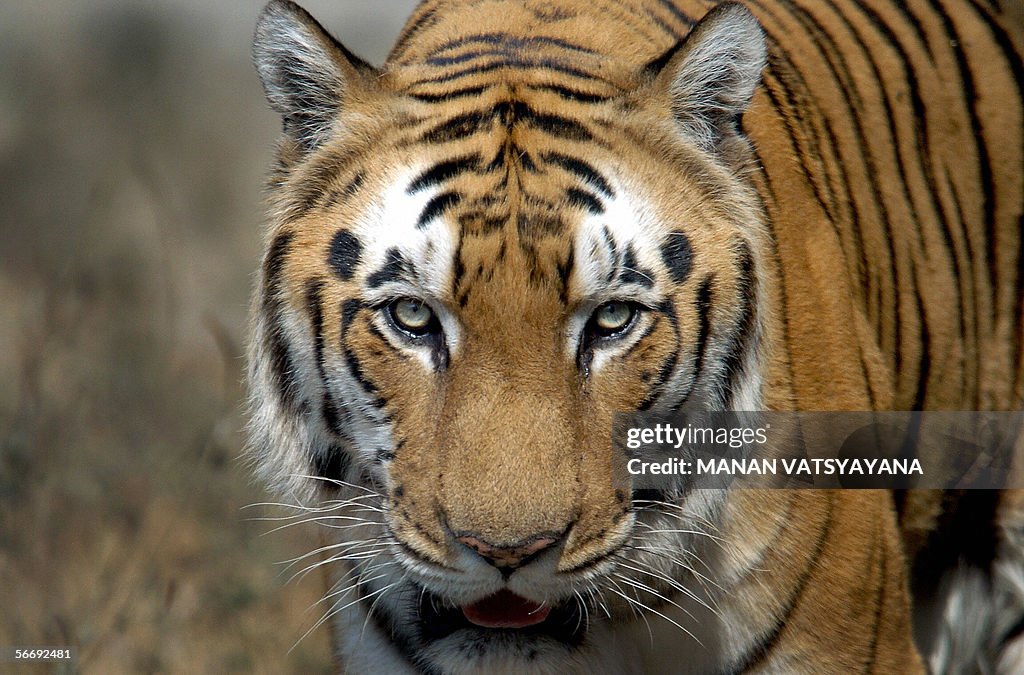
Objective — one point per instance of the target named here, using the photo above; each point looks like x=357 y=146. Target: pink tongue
x=505 y=609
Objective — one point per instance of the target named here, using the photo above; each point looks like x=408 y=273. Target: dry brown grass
x=121 y=528
x=133 y=141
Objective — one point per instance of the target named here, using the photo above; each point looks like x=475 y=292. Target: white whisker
x=671 y=582
x=335 y=481
x=654 y=611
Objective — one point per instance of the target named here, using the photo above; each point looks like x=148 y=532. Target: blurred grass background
x=133 y=144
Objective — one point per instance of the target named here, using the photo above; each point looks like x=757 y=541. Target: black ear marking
x=306 y=74
x=710 y=76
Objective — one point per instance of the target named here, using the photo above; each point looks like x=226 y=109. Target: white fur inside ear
x=717 y=72
x=301 y=70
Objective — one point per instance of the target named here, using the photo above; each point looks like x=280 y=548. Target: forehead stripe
x=456 y=128
x=563 y=127
x=443 y=171
x=508 y=113
x=584 y=200
x=570 y=94
x=449 y=95
x=436 y=206
x=581 y=170
x=521 y=64
x=510 y=42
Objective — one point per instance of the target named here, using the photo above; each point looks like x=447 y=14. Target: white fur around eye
x=390 y=223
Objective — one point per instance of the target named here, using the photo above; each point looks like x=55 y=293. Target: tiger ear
x=710 y=76
x=307 y=74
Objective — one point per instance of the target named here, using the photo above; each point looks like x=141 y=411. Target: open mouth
x=505 y=609
x=502 y=613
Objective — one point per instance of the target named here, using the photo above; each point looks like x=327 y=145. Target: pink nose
x=507 y=557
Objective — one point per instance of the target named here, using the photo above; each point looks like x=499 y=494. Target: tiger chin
x=538 y=214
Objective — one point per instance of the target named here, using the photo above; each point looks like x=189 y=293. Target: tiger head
x=472 y=266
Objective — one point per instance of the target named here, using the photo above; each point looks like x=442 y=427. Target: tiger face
x=465 y=280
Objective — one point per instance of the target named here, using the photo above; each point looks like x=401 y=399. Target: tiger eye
x=612 y=317
x=412 y=315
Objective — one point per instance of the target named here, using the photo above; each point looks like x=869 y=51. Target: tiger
x=540 y=213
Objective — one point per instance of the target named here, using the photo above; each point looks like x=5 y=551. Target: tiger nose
x=507 y=558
